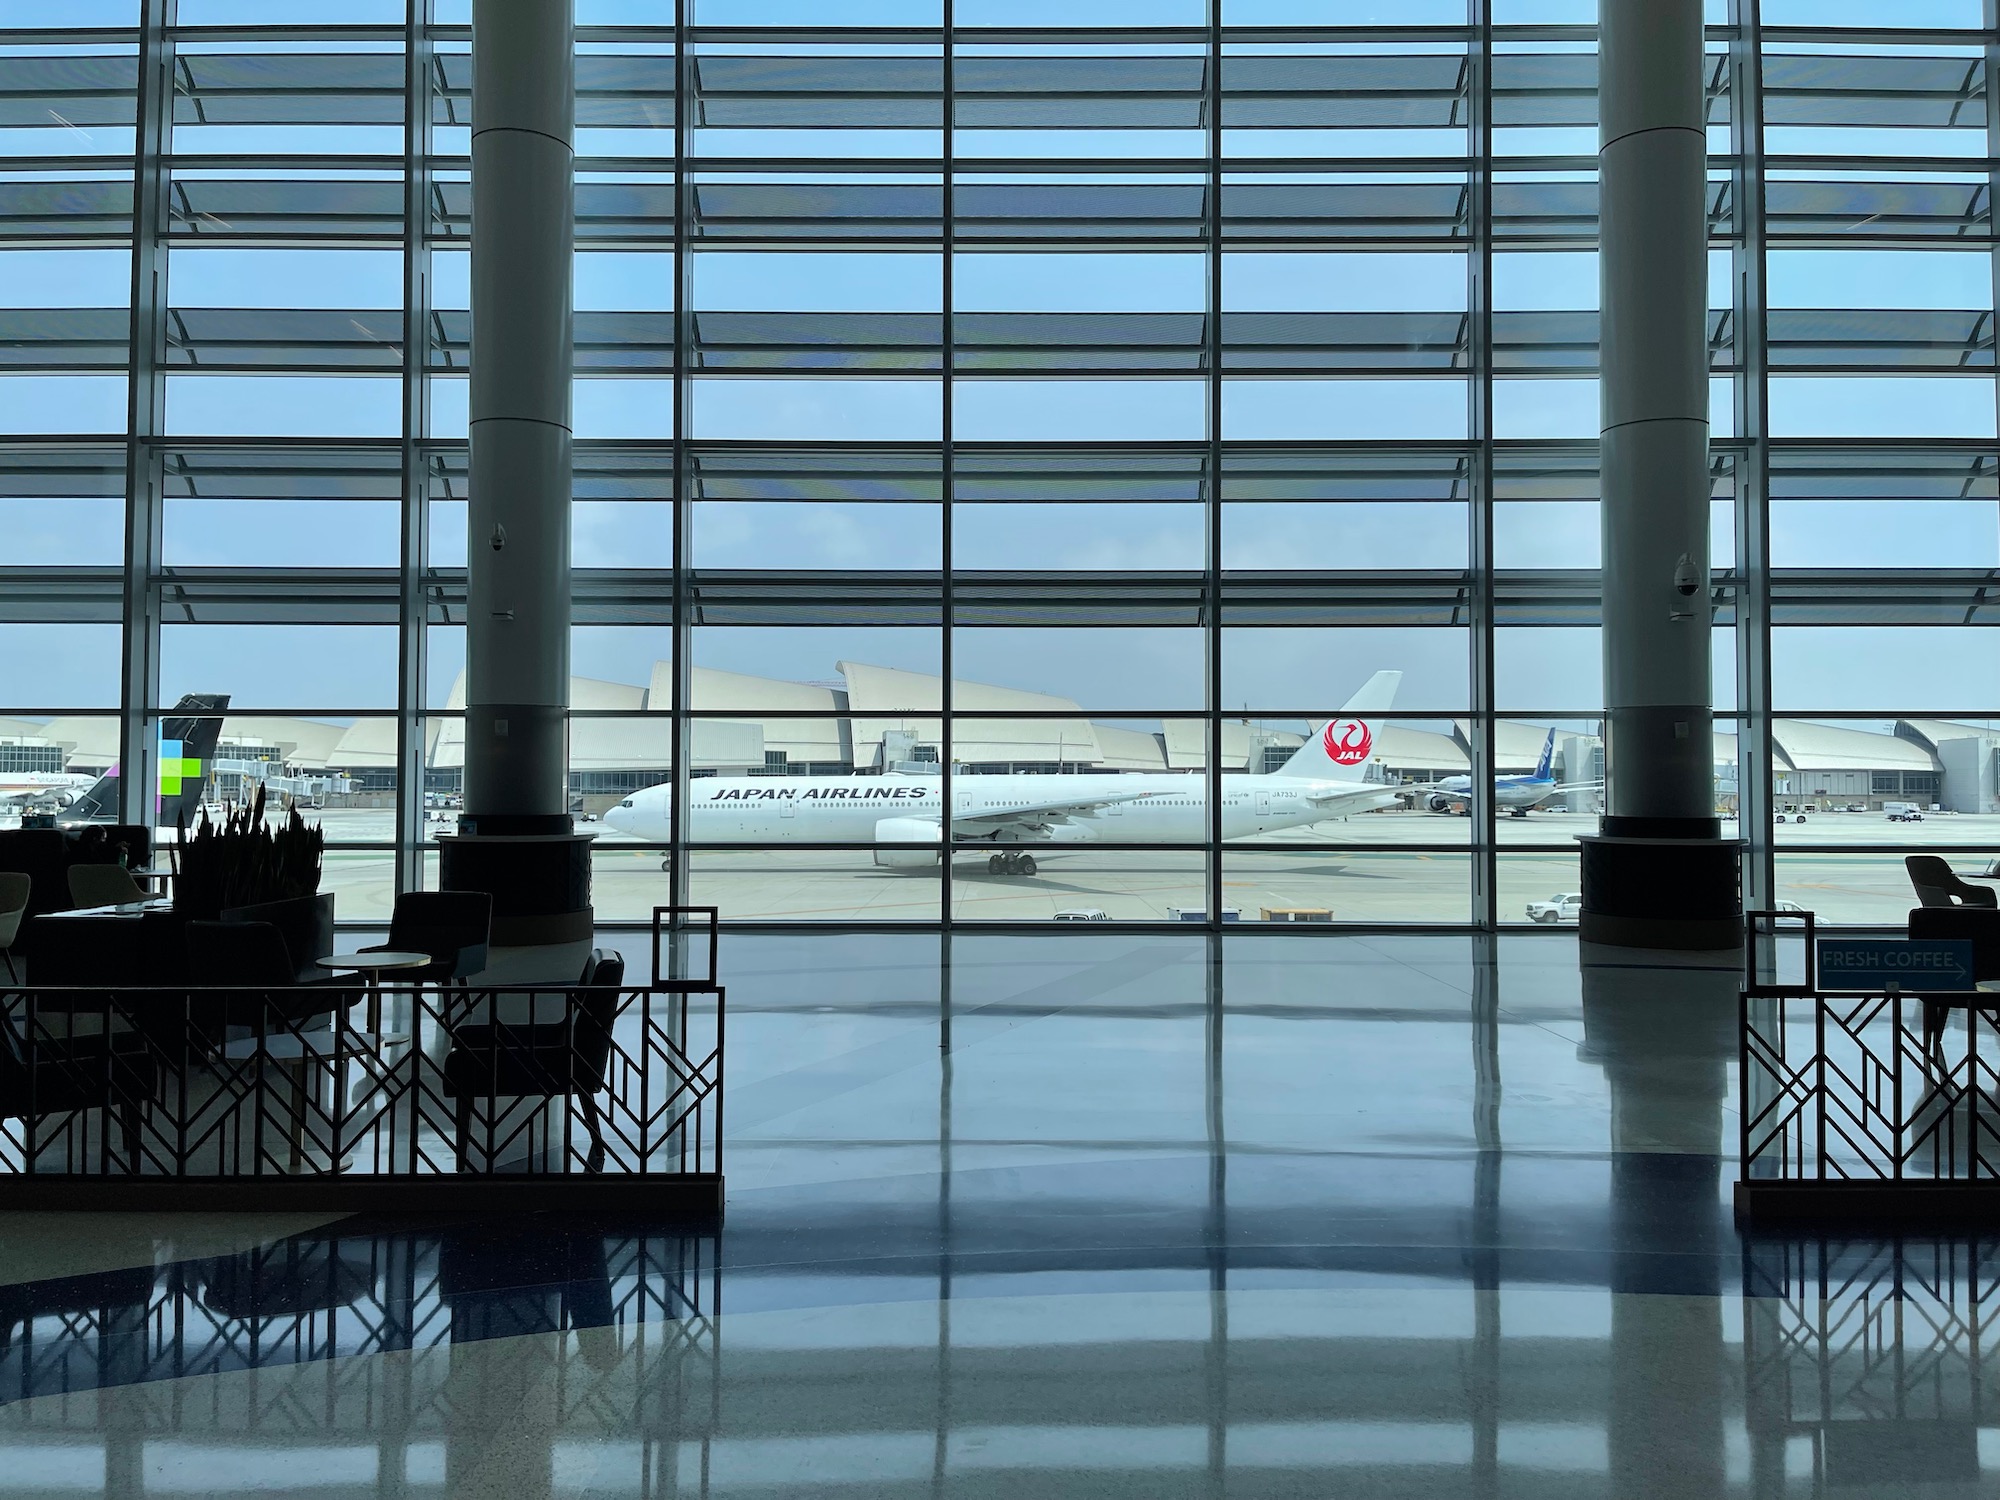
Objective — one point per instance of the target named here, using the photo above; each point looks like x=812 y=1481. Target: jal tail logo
x=1347 y=741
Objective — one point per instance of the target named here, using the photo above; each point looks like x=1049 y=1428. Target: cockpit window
x=626 y=803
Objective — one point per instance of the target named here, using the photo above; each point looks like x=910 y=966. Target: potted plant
x=244 y=870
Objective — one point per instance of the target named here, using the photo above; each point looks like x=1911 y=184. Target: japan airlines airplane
x=1512 y=794
x=1326 y=778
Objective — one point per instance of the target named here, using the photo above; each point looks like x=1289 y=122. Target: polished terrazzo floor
x=1291 y=1215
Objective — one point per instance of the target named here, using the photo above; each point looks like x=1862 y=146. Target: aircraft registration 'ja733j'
x=1326 y=778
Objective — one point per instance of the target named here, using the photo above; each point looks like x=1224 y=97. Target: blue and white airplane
x=1512 y=794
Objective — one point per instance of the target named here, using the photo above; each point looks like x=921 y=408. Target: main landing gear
x=1010 y=864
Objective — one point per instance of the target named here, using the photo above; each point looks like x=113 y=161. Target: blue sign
x=1876 y=963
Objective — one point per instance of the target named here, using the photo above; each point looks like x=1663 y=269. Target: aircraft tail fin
x=1544 y=768
x=188 y=736
x=1340 y=749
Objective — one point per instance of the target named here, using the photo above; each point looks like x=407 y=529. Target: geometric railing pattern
x=534 y=1084
x=231 y=1084
x=1881 y=1330
x=635 y=1311
x=1871 y=1088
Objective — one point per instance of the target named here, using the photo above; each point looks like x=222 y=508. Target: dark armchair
x=1976 y=924
x=1938 y=884
x=1979 y=926
x=15 y=890
x=453 y=927
x=542 y=1060
x=252 y=956
x=49 y=1075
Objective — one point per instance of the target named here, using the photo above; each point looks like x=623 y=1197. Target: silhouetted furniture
x=306 y=925
x=312 y=1272
x=250 y=969
x=1938 y=885
x=541 y=1060
x=103 y=885
x=46 y=854
x=453 y=927
x=103 y=948
x=15 y=888
x=104 y=1303
x=502 y=1280
x=253 y=955
x=1978 y=925
x=49 y=1075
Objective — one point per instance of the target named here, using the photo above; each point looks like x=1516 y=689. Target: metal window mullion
x=1990 y=17
x=1754 y=741
x=1479 y=542
x=1214 y=1095
x=683 y=478
x=1212 y=578
x=412 y=624
x=139 y=684
x=948 y=479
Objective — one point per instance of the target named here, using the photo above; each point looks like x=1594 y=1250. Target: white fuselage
x=1508 y=791
x=33 y=786
x=1148 y=809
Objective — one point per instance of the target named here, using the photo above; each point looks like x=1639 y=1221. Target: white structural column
x=518 y=611
x=1657 y=874
x=515 y=839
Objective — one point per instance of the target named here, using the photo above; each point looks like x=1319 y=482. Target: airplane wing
x=1355 y=796
x=1036 y=815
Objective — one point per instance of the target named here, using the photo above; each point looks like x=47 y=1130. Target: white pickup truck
x=1556 y=909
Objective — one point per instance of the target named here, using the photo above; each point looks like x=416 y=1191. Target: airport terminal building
x=1297 y=700
x=852 y=725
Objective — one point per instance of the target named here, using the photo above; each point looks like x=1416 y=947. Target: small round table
x=371 y=967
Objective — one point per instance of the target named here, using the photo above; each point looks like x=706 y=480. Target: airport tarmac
x=1396 y=880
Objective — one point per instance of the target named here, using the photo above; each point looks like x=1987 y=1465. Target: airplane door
x=788 y=808
x=965 y=802
x=1263 y=804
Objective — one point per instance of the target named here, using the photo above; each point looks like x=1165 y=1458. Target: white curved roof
x=1121 y=749
x=1825 y=747
x=885 y=698
x=23 y=729
x=711 y=689
x=1934 y=732
x=1420 y=749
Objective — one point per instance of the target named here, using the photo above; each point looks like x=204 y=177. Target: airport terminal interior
x=1091 y=555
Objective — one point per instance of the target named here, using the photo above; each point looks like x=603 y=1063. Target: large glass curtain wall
x=986 y=388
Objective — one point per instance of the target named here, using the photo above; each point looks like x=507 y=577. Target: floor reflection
x=352 y=1290
x=1457 y=1227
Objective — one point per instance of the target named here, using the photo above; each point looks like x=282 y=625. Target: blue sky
x=1546 y=668
x=1159 y=669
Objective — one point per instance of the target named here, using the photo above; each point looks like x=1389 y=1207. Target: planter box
x=305 y=923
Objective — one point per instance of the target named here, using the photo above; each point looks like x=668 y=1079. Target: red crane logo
x=1347 y=741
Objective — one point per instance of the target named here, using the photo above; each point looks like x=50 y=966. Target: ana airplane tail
x=1341 y=748
x=187 y=759
x=1544 y=768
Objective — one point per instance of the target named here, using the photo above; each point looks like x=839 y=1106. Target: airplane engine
x=1439 y=804
x=914 y=832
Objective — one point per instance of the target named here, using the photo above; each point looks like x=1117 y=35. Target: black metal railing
x=262 y=1086
x=638 y=1309
x=1848 y=1334
x=1851 y=1088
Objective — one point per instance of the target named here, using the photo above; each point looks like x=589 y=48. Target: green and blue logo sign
x=177 y=767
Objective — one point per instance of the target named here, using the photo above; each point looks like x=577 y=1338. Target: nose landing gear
x=1010 y=864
